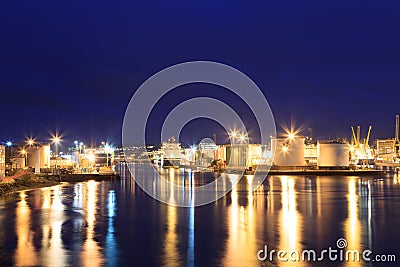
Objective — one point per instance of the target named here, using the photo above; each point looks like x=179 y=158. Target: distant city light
x=108 y=148
x=91 y=156
x=9 y=143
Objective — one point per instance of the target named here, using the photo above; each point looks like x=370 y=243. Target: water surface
x=117 y=224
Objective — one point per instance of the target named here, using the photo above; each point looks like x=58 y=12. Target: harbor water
x=115 y=223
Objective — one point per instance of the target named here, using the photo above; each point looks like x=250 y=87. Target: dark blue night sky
x=74 y=65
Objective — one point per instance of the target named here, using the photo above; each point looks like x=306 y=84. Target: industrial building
x=385 y=149
x=311 y=155
x=2 y=161
x=288 y=151
x=38 y=157
x=236 y=155
x=18 y=162
x=333 y=154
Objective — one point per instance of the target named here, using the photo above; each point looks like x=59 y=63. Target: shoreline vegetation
x=24 y=182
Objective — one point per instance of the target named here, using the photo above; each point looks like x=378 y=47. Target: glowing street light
x=56 y=139
x=30 y=141
x=285 y=149
x=291 y=136
x=9 y=143
x=233 y=134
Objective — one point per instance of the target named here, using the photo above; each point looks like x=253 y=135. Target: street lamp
x=30 y=141
x=8 y=152
x=56 y=140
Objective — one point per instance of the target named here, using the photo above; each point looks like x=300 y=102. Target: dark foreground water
x=117 y=224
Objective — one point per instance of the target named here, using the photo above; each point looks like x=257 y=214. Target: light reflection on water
x=25 y=253
x=117 y=224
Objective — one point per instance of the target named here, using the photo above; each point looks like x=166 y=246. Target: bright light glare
x=108 y=148
x=9 y=143
x=23 y=152
x=292 y=132
x=242 y=137
x=285 y=149
x=233 y=134
x=30 y=141
x=91 y=156
x=56 y=139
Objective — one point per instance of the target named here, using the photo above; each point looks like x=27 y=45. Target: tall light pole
x=233 y=134
x=56 y=140
x=8 y=152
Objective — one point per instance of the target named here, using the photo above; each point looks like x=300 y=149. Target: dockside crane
x=368 y=135
x=356 y=139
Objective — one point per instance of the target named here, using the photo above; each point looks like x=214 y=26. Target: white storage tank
x=31 y=156
x=19 y=162
x=42 y=158
x=45 y=156
x=333 y=154
x=288 y=151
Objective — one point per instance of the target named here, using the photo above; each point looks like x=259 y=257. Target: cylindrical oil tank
x=42 y=158
x=45 y=156
x=19 y=162
x=288 y=151
x=31 y=157
x=333 y=154
x=37 y=160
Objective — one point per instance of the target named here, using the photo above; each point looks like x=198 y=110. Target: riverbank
x=27 y=181
x=24 y=182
